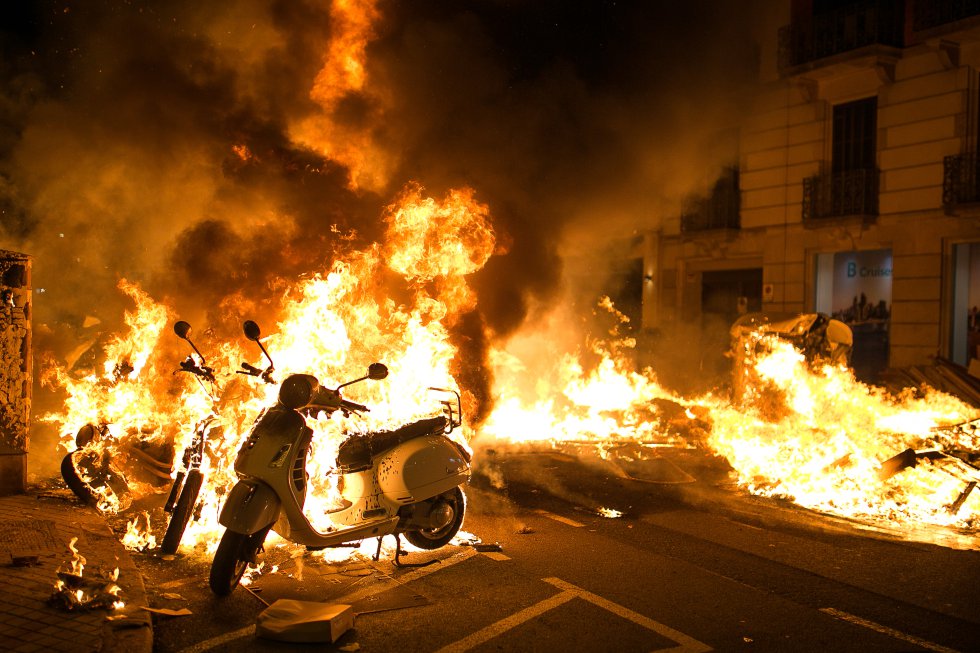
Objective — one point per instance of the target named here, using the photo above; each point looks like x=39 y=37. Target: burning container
x=15 y=369
x=821 y=339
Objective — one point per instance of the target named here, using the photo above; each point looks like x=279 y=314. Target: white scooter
x=405 y=481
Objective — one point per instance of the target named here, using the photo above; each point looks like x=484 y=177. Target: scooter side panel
x=421 y=468
x=250 y=506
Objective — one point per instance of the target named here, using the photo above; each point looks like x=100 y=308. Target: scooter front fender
x=250 y=506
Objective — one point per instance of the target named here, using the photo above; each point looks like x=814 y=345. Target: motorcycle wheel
x=74 y=481
x=181 y=514
x=106 y=484
x=433 y=538
x=234 y=553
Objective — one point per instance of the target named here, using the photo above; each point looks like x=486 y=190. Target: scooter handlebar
x=303 y=392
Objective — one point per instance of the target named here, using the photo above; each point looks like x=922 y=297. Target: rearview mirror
x=252 y=331
x=377 y=371
x=182 y=329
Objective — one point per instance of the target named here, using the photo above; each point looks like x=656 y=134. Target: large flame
x=824 y=443
x=344 y=77
x=333 y=325
x=816 y=436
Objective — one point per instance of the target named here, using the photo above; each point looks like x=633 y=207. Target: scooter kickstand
x=398 y=554
x=377 y=554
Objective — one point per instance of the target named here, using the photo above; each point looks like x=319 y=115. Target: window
x=854 y=126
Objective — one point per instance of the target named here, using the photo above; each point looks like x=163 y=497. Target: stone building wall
x=928 y=108
x=15 y=369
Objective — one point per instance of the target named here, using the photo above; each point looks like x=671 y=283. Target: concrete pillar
x=15 y=370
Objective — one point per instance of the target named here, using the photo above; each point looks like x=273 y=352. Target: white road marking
x=885 y=630
x=559 y=518
x=569 y=592
x=507 y=623
x=413 y=575
x=496 y=555
x=687 y=644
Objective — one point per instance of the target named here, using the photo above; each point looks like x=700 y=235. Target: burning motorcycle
x=401 y=482
x=182 y=502
x=100 y=469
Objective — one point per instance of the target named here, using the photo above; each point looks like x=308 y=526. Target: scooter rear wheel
x=182 y=511
x=235 y=552
x=435 y=538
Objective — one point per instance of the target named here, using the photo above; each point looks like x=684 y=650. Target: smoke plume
x=176 y=144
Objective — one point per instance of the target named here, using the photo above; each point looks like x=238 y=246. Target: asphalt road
x=690 y=566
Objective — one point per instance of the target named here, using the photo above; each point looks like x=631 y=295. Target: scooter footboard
x=250 y=506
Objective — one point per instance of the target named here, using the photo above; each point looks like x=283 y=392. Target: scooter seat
x=355 y=453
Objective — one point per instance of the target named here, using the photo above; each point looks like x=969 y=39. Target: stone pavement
x=35 y=530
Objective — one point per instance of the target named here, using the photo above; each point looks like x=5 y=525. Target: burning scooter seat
x=356 y=452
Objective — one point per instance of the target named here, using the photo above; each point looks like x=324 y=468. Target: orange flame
x=344 y=74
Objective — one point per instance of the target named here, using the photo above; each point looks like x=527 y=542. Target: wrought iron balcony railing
x=927 y=14
x=875 y=22
x=720 y=210
x=961 y=183
x=840 y=194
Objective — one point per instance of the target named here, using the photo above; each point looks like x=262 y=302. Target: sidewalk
x=35 y=530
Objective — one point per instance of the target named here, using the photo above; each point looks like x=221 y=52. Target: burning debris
x=609 y=513
x=139 y=536
x=827 y=443
x=73 y=591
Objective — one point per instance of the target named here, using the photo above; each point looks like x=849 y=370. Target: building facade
x=854 y=190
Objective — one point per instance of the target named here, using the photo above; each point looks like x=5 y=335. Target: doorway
x=725 y=296
x=965 y=320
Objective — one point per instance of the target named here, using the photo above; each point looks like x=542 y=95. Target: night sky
x=576 y=122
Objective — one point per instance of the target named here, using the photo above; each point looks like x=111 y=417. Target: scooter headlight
x=297 y=390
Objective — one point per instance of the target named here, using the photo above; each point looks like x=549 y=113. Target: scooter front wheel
x=434 y=538
x=235 y=552
x=182 y=511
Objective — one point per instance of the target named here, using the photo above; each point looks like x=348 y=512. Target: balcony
x=929 y=14
x=838 y=195
x=719 y=210
x=823 y=35
x=961 y=184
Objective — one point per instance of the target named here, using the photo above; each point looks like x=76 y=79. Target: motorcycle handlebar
x=251 y=370
x=350 y=405
x=188 y=365
x=327 y=399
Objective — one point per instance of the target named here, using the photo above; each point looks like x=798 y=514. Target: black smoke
x=156 y=140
